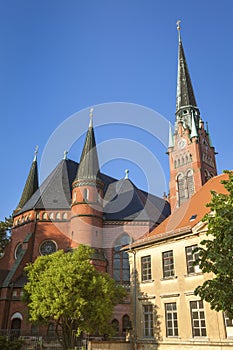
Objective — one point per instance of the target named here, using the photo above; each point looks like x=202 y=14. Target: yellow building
x=165 y=310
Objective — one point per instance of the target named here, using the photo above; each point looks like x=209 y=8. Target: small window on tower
x=85 y=194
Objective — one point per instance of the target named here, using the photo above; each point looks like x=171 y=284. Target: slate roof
x=122 y=199
x=185 y=94
x=31 y=185
x=89 y=164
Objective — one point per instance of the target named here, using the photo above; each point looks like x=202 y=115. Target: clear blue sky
x=58 y=57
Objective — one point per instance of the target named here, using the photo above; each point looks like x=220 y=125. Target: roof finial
x=35 y=154
x=65 y=155
x=178 y=28
x=126 y=173
x=91 y=117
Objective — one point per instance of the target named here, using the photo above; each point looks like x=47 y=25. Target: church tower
x=191 y=153
x=87 y=196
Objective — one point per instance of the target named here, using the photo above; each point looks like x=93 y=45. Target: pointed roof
x=193 y=129
x=185 y=94
x=170 y=137
x=31 y=184
x=89 y=163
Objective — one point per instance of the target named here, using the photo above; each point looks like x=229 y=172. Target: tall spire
x=185 y=94
x=89 y=164
x=31 y=184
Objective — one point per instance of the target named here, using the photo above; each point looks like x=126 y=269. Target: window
x=146 y=268
x=148 y=320
x=228 y=325
x=44 y=216
x=64 y=216
x=48 y=247
x=126 y=324
x=51 y=216
x=190 y=258
x=58 y=216
x=168 y=264
x=181 y=188
x=171 y=320
x=190 y=183
x=51 y=330
x=121 y=270
x=85 y=194
x=198 y=318
x=18 y=250
x=115 y=324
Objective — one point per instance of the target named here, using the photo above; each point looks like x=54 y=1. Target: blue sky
x=58 y=57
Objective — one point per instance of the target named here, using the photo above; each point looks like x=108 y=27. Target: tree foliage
x=66 y=288
x=5 y=232
x=216 y=253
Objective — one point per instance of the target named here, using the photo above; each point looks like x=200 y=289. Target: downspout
x=135 y=345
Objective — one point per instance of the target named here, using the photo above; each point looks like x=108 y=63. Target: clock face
x=181 y=143
x=48 y=247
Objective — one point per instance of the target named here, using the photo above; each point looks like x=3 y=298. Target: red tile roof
x=188 y=214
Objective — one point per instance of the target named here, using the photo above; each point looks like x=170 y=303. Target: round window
x=48 y=247
x=18 y=250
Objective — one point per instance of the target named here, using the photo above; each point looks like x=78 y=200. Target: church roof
x=188 y=215
x=122 y=199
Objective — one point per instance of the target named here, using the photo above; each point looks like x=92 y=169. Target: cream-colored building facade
x=166 y=314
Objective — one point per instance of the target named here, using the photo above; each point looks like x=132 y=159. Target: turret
x=87 y=195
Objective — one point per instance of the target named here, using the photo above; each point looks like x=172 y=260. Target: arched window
x=64 y=216
x=190 y=183
x=51 y=329
x=115 y=324
x=58 y=216
x=126 y=324
x=85 y=194
x=51 y=216
x=181 y=188
x=121 y=271
x=44 y=216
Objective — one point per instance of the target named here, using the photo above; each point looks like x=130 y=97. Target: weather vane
x=91 y=112
x=178 y=27
x=65 y=154
x=35 y=153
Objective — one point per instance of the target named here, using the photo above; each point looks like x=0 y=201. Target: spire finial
x=35 y=154
x=65 y=155
x=126 y=173
x=178 y=28
x=91 y=116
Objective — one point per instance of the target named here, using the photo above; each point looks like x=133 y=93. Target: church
x=78 y=204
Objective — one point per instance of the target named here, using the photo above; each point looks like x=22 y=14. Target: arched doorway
x=16 y=320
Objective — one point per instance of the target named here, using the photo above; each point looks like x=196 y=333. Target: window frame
x=168 y=272
x=198 y=321
x=146 y=273
x=191 y=269
x=171 y=317
x=148 y=321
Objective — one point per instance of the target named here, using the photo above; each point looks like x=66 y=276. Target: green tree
x=5 y=233
x=66 y=288
x=216 y=253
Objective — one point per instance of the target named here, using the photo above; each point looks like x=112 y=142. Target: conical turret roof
x=31 y=184
x=89 y=163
